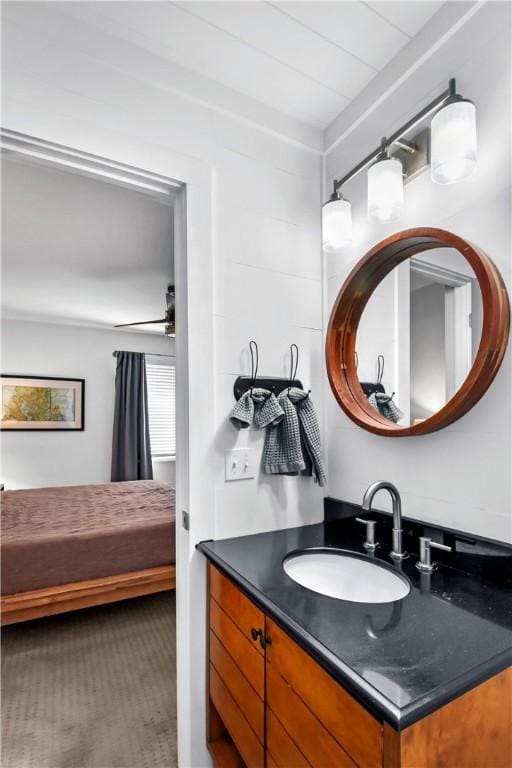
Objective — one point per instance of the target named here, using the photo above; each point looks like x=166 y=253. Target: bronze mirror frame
x=351 y=302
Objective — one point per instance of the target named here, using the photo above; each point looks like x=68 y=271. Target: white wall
x=38 y=459
x=459 y=476
x=376 y=335
x=72 y=84
x=266 y=218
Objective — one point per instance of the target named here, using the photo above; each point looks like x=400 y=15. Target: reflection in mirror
x=425 y=320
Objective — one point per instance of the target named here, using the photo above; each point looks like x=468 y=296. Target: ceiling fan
x=168 y=321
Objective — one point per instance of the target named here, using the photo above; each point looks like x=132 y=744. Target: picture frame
x=41 y=404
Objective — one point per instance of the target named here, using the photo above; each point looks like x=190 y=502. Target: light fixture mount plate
x=417 y=161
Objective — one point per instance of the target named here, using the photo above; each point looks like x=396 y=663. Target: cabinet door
x=300 y=730
x=282 y=751
x=327 y=725
x=236 y=674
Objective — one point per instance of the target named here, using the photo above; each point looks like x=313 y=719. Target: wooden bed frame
x=50 y=601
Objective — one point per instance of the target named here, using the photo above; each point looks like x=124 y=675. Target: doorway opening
x=445 y=327
x=92 y=244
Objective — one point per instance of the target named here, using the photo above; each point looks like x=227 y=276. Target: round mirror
x=417 y=333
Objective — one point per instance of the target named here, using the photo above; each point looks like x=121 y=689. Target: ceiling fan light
x=336 y=223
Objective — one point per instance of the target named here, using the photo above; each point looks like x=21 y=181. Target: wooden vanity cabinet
x=271 y=705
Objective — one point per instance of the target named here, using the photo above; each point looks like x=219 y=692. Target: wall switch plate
x=239 y=464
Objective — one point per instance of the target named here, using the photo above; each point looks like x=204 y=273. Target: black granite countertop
x=400 y=660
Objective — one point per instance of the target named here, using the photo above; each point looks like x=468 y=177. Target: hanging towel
x=282 y=452
x=242 y=414
x=259 y=406
x=385 y=406
x=294 y=445
x=310 y=433
x=267 y=410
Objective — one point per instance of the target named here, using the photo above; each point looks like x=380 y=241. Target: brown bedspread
x=53 y=536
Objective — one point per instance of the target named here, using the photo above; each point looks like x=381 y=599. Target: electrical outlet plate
x=239 y=464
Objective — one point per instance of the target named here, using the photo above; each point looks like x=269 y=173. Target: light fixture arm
x=449 y=93
x=383 y=153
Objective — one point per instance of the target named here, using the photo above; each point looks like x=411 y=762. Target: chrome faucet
x=397 y=552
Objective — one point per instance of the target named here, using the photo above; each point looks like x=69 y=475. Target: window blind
x=161 y=382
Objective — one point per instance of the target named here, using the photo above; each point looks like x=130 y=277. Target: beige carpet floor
x=93 y=689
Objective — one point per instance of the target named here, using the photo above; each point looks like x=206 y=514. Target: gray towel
x=385 y=406
x=294 y=445
x=282 y=452
x=267 y=410
x=242 y=414
x=310 y=432
x=256 y=405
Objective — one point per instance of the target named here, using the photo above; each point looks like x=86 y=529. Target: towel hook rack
x=369 y=387
x=294 y=364
x=380 y=368
x=255 y=361
x=274 y=384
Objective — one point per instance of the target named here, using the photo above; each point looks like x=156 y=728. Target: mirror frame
x=351 y=302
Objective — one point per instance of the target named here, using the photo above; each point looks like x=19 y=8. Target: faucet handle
x=425 y=564
x=370 y=544
x=437 y=545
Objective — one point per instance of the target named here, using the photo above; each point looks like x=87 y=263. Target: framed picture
x=41 y=403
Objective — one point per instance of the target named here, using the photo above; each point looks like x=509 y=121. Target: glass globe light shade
x=453 y=142
x=336 y=224
x=386 y=189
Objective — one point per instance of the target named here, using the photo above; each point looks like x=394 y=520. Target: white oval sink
x=339 y=574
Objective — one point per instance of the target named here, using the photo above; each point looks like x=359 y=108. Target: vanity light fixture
x=336 y=222
x=450 y=150
x=385 y=186
x=453 y=139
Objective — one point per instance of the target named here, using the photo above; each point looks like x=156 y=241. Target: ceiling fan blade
x=143 y=322
x=170 y=299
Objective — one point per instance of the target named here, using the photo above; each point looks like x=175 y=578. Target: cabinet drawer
x=318 y=746
x=244 y=738
x=237 y=606
x=239 y=687
x=243 y=651
x=349 y=723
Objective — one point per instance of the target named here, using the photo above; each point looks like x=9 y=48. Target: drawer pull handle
x=256 y=633
x=265 y=640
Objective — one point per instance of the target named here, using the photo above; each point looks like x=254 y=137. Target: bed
x=72 y=547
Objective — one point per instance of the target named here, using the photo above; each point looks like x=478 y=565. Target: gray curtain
x=131 y=451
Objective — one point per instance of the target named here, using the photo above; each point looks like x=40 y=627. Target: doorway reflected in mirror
x=419 y=335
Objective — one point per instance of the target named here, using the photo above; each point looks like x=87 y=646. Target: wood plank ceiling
x=305 y=59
